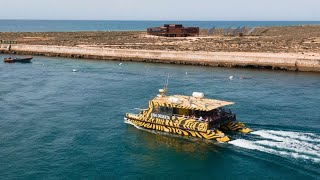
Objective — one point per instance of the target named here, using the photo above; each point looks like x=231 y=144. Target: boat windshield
x=162 y=110
x=213 y=117
x=205 y=116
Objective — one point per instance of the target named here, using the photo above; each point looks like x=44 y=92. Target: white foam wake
x=284 y=143
x=280 y=135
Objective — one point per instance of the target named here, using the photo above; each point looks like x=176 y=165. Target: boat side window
x=156 y=108
x=166 y=110
x=175 y=111
x=162 y=110
x=181 y=112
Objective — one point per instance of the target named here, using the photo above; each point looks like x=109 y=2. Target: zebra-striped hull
x=209 y=134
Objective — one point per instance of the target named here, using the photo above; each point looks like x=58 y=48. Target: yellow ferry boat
x=193 y=116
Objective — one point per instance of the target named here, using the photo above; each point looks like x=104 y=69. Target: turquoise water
x=84 y=25
x=59 y=124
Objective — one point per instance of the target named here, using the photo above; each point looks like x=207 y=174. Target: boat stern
x=221 y=136
x=245 y=130
x=223 y=139
x=236 y=126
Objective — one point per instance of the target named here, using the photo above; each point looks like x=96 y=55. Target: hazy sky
x=161 y=9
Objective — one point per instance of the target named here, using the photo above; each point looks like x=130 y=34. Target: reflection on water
x=182 y=144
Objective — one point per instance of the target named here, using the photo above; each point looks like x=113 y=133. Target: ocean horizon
x=16 y=25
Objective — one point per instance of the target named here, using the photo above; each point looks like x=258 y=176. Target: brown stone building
x=173 y=30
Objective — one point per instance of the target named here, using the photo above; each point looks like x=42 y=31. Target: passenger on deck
x=185 y=116
x=174 y=117
x=219 y=112
x=210 y=119
x=200 y=118
x=206 y=119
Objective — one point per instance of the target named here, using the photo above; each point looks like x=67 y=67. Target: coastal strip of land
x=295 y=48
x=285 y=61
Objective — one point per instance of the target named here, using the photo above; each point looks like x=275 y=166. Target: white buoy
x=186 y=73
x=74 y=70
x=120 y=64
x=231 y=77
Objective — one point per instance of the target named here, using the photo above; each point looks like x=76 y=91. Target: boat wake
x=297 y=145
x=303 y=146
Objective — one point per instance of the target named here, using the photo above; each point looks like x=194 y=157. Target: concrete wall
x=287 y=61
x=4 y=47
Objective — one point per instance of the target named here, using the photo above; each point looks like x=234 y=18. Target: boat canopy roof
x=190 y=102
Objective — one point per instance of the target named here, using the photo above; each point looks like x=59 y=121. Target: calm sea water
x=81 y=25
x=59 y=124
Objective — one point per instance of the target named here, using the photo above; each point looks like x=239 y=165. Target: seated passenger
x=174 y=117
x=206 y=119
x=200 y=118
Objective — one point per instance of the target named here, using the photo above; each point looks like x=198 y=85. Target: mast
x=165 y=88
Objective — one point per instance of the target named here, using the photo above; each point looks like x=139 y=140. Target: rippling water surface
x=59 y=124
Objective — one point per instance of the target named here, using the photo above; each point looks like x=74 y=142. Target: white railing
x=189 y=117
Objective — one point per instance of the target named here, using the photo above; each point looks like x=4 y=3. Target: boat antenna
x=167 y=83
x=165 y=88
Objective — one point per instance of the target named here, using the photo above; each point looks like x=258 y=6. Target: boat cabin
x=194 y=107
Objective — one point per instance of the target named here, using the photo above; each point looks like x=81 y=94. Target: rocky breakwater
x=286 y=61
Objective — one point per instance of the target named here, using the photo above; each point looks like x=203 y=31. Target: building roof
x=190 y=102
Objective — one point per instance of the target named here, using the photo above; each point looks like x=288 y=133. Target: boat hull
x=208 y=134
x=24 y=60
